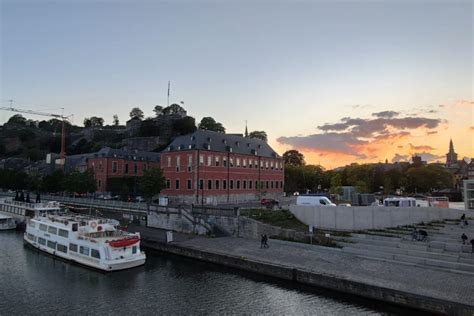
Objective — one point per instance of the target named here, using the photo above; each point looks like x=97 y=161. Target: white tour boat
x=7 y=222
x=91 y=241
x=21 y=211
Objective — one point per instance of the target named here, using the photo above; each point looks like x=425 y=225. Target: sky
x=340 y=81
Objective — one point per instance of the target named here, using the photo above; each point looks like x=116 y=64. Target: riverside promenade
x=417 y=287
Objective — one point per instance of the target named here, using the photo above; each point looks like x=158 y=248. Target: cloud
x=471 y=128
x=463 y=104
x=431 y=132
x=400 y=158
x=421 y=147
x=386 y=114
x=327 y=142
x=429 y=157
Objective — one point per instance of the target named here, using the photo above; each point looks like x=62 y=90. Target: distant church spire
x=246 y=130
x=451 y=156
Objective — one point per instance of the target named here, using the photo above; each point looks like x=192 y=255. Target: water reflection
x=32 y=282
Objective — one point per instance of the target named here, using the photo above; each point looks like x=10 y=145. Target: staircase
x=443 y=250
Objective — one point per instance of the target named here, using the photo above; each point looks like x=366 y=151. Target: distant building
x=208 y=167
x=458 y=168
x=417 y=161
x=110 y=163
x=451 y=156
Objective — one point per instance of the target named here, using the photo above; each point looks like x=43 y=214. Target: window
x=217 y=185
x=61 y=248
x=168 y=184
x=201 y=160
x=266 y=185
x=276 y=184
x=41 y=241
x=134 y=249
x=63 y=233
x=190 y=184
x=201 y=184
x=178 y=163
x=209 y=160
x=245 y=163
x=216 y=160
x=52 y=230
x=51 y=244
x=135 y=168
x=84 y=250
x=238 y=184
x=271 y=165
x=255 y=164
x=209 y=184
x=31 y=237
x=169 y=161
x=177 y=184
x=281 y=184
x=231 y=184
x=224 y=162
x=126 y=168
x=271 y=184
x=256 y=185
x=231 y=162
x=43 y=227
x=74 y=227
x=238 y=162
x=73 y=247
x=190 y=162
x=95 y=253
x=245 y=184
x=224 y=184
x=250 y=184
x=250 y=163
x=114 y=167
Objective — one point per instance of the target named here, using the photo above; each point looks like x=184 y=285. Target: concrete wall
x=177 y=221
x=369 y=217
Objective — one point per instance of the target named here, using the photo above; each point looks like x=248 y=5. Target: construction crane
x=58 y=116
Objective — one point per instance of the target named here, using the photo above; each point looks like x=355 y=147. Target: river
x=34 y=283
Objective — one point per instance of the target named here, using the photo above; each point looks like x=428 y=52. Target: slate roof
x=214 y=141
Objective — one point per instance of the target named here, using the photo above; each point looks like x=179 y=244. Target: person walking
x=265 y=241
x=464 y=238
x=472 y=244
x=262 y=240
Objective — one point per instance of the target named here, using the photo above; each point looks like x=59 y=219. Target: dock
x=431 y=290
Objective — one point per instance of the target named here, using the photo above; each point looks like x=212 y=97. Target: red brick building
x=110 y=163
x=209 y=167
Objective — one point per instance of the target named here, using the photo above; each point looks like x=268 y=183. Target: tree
x=209 y=124
x=336 y=184
x=76 y=181
x=152 y=183
x=184 y=126
x=259 y=135
x=173 y=109
x=294 y=158
x=137 y=113
x=53 y=183
x=17 y=119
x=116 y=121
x=97 y=121
x=158 y=110
x=87 y=122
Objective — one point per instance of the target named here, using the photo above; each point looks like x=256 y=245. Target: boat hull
x=102 y=266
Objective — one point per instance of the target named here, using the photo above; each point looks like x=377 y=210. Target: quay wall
x=331 y=282
x=369 y=217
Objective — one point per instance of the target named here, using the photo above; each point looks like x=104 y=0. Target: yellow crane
x=58 y=116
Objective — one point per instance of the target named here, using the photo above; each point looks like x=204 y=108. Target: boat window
x=74 y=227
x=134 y=249
x=3 y=220
x=32 y=224
x=62 y=248
x=43 y=227
x=31 y=237
x=63 y=233
x=73 y=247
x=52 y=230
x=30 y=213
x=51 y=244
x=95 y=253
x=41 y=241
x=84 y=250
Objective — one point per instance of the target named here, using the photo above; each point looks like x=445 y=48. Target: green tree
x=116 y=121
x=17 y=119
x=259 y=135
x=361 y=187
x=294 y=158
x=428 y=178
x=172 y=109
x=336 y=184
x=152 y=183
x=158 y=109
x=53 y=183
x=184 y=126
x=137 y=113
x=87 y=122
x=76 y=181
x=209 y=124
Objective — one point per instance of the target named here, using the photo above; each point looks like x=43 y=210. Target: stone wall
x=369 y=217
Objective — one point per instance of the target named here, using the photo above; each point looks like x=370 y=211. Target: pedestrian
x=414 y=234
x=262 y=240
x=464 y=238
x=423 y=234
x=472 y=243
x=265 y=241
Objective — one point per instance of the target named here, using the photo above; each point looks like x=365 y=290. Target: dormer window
x=248 y=145
x=193 y=137
x=237 y=143
x=209 y=139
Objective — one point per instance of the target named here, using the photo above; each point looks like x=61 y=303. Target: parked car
x=316 y=200
x=269 y=202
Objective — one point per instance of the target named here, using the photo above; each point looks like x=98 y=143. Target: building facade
x=207 y=167
x=110 y=163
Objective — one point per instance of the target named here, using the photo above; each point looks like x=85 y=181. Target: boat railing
x=40 y=205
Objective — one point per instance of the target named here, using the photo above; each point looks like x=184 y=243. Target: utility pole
x=169 y=83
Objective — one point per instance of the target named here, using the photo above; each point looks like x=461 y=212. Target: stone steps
x=459 y=266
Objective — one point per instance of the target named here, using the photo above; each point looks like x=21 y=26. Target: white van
x=313 y=200
x=400 y=202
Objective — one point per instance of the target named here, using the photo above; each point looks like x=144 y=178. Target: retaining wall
x=369 y=217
